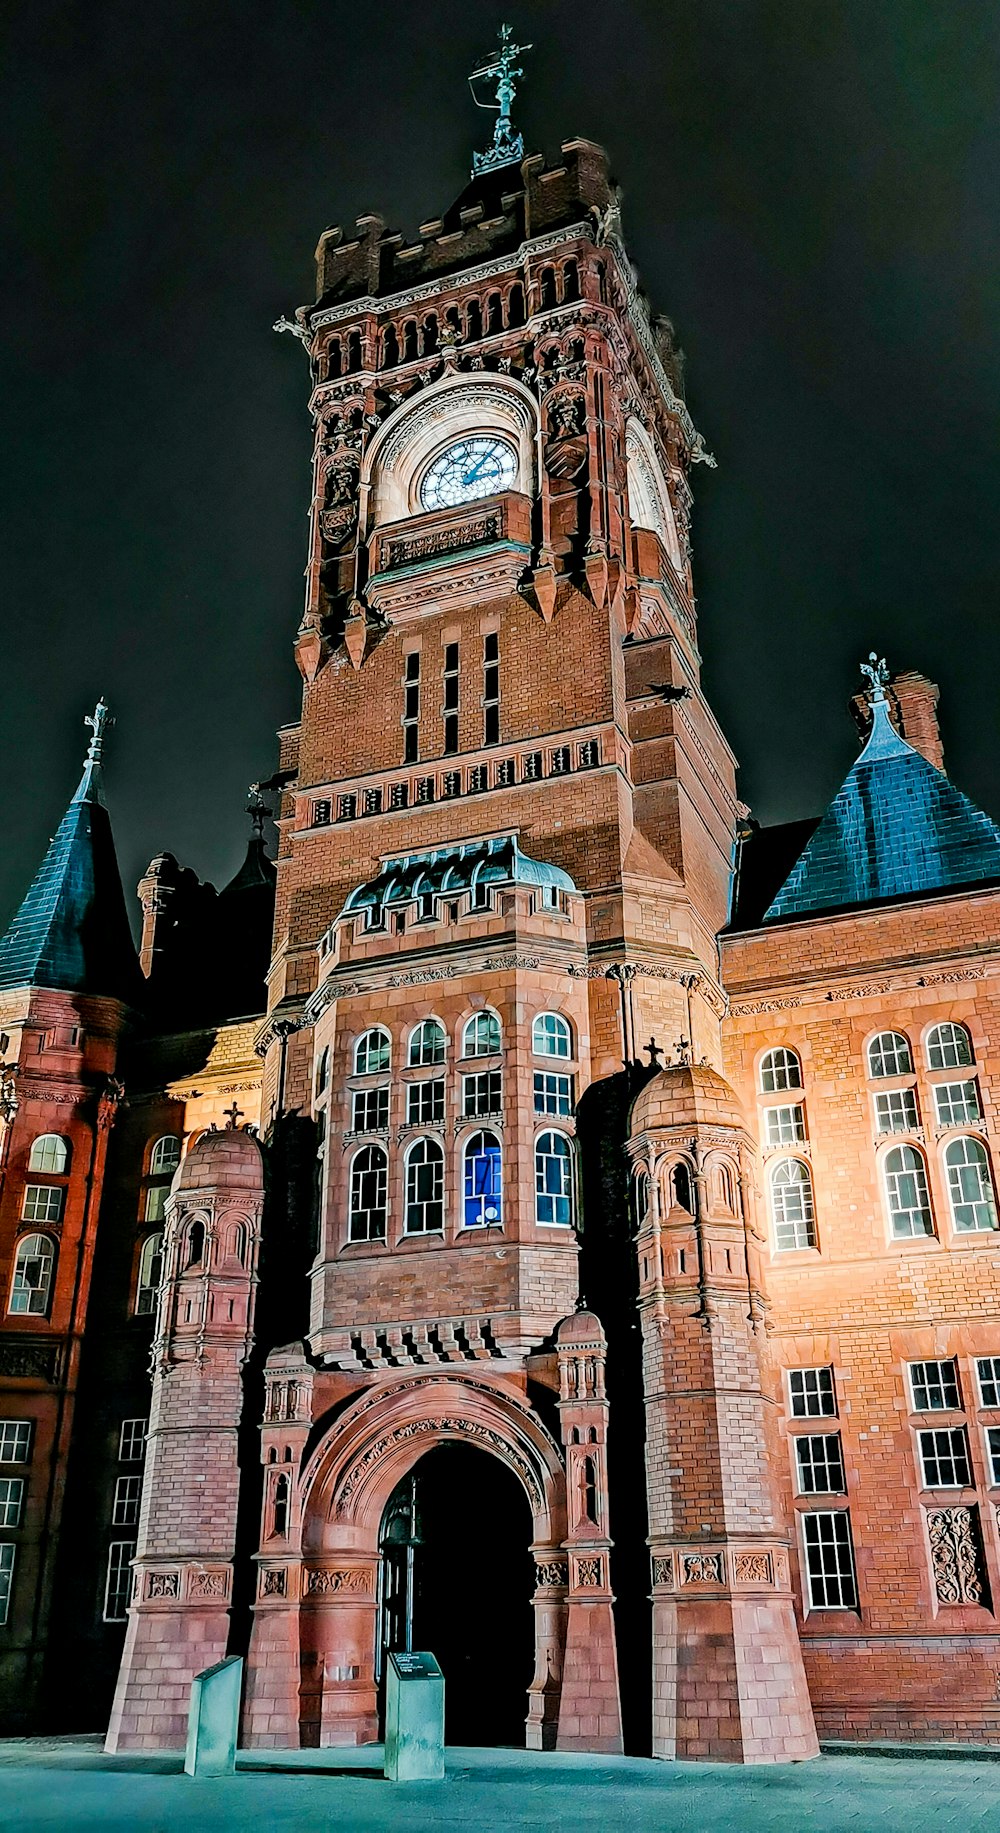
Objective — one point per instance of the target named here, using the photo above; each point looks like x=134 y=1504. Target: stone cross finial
x=878 y=676
x=233 y=1115
x=502 y=65
x=98 y=720
x=654 y=1052
x=683 y=1049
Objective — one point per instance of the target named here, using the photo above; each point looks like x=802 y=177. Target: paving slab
x=69 y=1784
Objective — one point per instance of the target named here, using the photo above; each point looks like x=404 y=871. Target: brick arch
x=354 y=1470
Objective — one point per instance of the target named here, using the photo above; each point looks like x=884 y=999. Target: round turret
x=685 y=1095
x=222 y=1161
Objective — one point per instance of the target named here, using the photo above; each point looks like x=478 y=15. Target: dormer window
x=467 y=470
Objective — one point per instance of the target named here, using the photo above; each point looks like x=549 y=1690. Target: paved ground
x=69 y=1784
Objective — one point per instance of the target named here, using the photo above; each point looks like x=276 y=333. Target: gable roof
x=896 y=828
x=72 y=932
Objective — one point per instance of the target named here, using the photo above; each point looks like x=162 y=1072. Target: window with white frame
x=427 y=1044
x=481 y=1037
x=970 y=1186
x=553 y=1180
x=829 y=1561
x=956 y=1104
x=424 y=1211
x=944 y=1458
x=992 y=1436
x=322 y=1080
x=785 y=1125
x=50 y=1153
x=118 y=1584
x=792 y=1206
x=370 y=1110
x=949 y=1047
x=906 y=1193
x=42 y=1202
x=128 y=1495
x=31 y=1285
x=896 y=1110
x=482 y=1204
x=15 y=1441
x=819 y=1464
x=132 y=1441
x=425 y=1102
x=11 y=1501
x=156 y=1202
x=7 y=1558
x=889 y=1055
x=372 y=1052
x=551 y=1036
x=150 y=1274
x=553 y=1093
x=481 y=1094
x=811 y=1393
x=988 y=1377
x=934 y=1386
x=165 y=1155
x=780 y=1069
x=369 y=1195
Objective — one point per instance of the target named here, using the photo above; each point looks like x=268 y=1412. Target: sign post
x=214 y=1719
x=414 y=1719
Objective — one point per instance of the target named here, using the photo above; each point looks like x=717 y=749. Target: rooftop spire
x=507 y=146
x=878 y=676
x=92 y=781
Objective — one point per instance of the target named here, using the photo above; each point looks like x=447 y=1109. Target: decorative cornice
x=862 y=989
x=447 y=283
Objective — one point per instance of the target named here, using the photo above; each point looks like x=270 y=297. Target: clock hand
x=477 y=469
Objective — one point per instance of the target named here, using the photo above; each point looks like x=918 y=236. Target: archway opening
x=456 y=1578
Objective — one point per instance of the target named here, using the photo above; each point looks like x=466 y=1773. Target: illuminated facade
x=655 y=1385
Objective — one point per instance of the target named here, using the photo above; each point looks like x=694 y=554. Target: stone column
x=179 y=1617
x=271 y=1701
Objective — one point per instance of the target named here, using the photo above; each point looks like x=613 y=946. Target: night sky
x=810 y=193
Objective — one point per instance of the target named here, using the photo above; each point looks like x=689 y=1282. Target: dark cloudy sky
x=811 y=192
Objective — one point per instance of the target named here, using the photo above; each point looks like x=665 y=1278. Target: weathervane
x=98 y=720
x=257 y=809
x=507 y=145
x=878 y=675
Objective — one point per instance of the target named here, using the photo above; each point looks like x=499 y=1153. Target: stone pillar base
x=590 y=1713
x=728 y=1681
x=165 y=1647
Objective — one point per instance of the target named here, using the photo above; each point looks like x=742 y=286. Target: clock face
x=471 y=468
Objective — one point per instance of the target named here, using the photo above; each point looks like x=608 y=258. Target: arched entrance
x=456 y=1577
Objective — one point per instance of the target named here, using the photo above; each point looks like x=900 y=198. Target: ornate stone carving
x=323 y=1579
x=956 y=1555
x=405 y=550
x=339 y=515
x=273 y=1582
x=208 y=1584
x=552 y=1572
x=163 y=1585
x=20 y=1361
x=701 y=1568
x=753 y=1569
x=446 y=1428
x=663 y=1569
x=590 y=1572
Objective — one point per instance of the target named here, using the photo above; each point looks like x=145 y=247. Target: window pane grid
x=132 y=1441
x=125 y=1510
x=482 y=1181
x=948 y=1047
x=907 y=1193
x=970 y=1187
x=427 y=1045
x=780 y=1069
x=118 y=1587
x=481 y=1094
x=553 y=1180
x=896 y=1111
x=370 y=1110
x=12 y=1501
x=993 y=1454
x=425 y=1102
x=944 y=1458
x=50 y=1153
x=988 y=1376
x=819 y=1464
x=42 y=1202
x=956 y=1103
x=784 y=1126
x=424 y=1188
x=15 y=1441
x=7 y=1557
x=811 y=1392
x=934 y=1387
x=889 y=1055
x=369 y=1195
x=371 y=1053
x=482 y=1036
x=33 y=1265
x=550 y=1036
x=829 y=1561
x=792 y=1204
x=553 y=1093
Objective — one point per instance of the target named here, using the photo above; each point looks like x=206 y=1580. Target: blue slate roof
x=897 y=828
x=453 y=869
x=72 y=932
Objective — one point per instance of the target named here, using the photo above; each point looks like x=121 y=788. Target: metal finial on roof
x=502 y=65
x=98 y=720
x=878 y=676
x=258 y=810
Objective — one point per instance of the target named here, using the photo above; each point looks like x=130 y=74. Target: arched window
x=780 y=1069
x=483 y=1204
x=970 y=1187
x=949 y=1047
x=481 y=1037
x=196 y=1244
x=554 y=1180
x=906 y=1192
x=323 y=1071
x=31 y=1286
x=640 y=1197
x=424 y=1188
x=680 y=1188
x=150 y=1274
x=889 y=1055
x=165 y=1155
x=792 y=1205
x=372 y=1052
x=282 y=1492
x=551 y=1036
x=49 y=1152
x=369 y=1194
x=427 y=1044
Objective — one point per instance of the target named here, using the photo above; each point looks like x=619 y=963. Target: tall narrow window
x=11 y=1501
x=483 y=1203
x=411 y=707
x=819 y=1464
x=424 y=1188
x=7 y=1555
x=792 y=1205
x=906 y=1193
x=118 y=1586
x=125 y=1508
x=369 y=1187
x=553 y=1180
x=829 y=1561
x=31 y=1285
x=450 y=698
x=970 y=1187
x=150 y=1275
x=491 y=689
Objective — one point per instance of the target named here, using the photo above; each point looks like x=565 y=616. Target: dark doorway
x=456 y=1579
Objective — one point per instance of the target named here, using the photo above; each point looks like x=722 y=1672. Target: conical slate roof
x=72 y=932
x=897 y=828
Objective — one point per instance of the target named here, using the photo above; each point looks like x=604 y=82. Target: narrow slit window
x=491 y=689
x=411 y=707
x=451 y=680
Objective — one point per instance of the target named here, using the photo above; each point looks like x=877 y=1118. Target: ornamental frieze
x=420 y=1428
x=321 y=1580
x=551 y=1572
